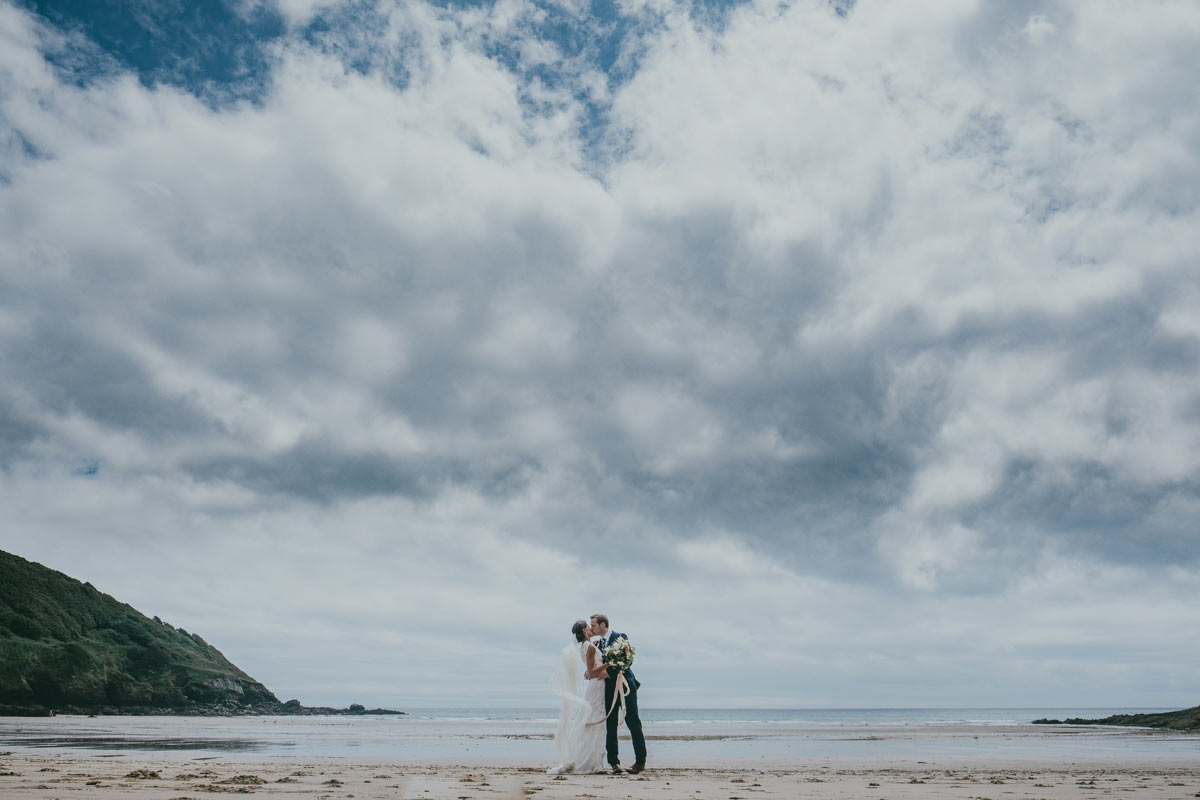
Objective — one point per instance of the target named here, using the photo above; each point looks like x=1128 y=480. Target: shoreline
x=502 y=743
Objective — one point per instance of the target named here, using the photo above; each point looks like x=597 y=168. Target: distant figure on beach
x=620 y=689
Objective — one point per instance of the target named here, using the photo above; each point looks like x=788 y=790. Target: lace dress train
x=578 y=746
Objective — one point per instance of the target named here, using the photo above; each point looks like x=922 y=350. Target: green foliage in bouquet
x=619 y=654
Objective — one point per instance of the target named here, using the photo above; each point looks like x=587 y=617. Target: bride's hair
x=580 y=631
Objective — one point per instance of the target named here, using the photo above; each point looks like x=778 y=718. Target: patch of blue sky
x=210 y=48
x=220 y=50
x=350 y=33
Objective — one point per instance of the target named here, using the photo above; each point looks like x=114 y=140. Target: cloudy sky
x=844 y=353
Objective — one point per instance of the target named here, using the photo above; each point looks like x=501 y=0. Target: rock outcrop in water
x=67 y=647
x=1186 y=720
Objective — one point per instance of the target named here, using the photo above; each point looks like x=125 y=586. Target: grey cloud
x=321 y=473
x=1097 y=338
x=1093 y=512
x=62 y=365
x=981 y=135
x=700 y=264
x=17 y=432
x=985 y=37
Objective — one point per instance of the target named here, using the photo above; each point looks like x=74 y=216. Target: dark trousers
x=632 y=721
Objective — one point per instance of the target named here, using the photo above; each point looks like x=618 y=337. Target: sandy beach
x=47 y=776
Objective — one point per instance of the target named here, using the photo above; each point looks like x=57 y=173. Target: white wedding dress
x=578 y=746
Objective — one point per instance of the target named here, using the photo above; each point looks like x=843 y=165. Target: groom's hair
x=601 y=618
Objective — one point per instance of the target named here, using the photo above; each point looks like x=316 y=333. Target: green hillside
x=66 y=646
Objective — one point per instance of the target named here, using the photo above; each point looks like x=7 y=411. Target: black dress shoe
x=637 y=767
x=617 y=769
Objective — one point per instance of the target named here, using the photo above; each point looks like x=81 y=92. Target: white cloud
x=300 y=12
x=1039 y=28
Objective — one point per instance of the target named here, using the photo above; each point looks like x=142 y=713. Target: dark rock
x=1186 y=720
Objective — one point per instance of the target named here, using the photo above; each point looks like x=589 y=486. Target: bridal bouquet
x=619 y=654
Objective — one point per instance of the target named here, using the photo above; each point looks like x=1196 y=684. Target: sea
x=677 y=736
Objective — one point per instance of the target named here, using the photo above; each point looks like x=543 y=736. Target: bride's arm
x=594 y=668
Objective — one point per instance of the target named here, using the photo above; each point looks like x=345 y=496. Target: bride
x=579 y=681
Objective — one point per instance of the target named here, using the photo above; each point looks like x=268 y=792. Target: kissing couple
x=599 y=692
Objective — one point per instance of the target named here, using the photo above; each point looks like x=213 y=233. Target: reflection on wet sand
x=127 y=743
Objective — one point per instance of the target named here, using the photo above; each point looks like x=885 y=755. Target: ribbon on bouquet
x=620 y=692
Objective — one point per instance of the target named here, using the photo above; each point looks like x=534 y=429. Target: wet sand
x=43 y=776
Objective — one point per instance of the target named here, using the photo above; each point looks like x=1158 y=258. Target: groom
x=632 y=721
